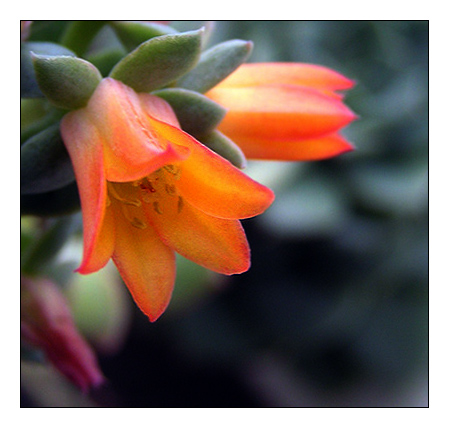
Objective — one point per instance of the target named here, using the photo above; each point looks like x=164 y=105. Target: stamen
x=149 y=187
x=174 y=170
x=180 y=204
x=146 y=198
x=157 y=207
x=170 y=189
x=138 y=223
x=115 y=195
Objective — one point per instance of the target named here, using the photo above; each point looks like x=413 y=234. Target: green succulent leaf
x=50 y=117
x=68 y=82
x=225 y=147
x=134 y=33
x=44 y=163
x=32 y=110
x=29 y=87
x=159 y=61
x=43 y=250
x=215 y=64
x=197 y=114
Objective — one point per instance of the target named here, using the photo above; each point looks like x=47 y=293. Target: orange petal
x=132 y=148
x=217 y=244
x=158 y=109
x=279 y=112
x=101 y=252
x=295 y=150
x=146 y=265
x=315 y=76
x=214 y=185
x=86 y=152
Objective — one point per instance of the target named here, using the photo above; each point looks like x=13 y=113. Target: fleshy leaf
x=133 y=33
x=216 y=64
x=225 y=147
x=46 y=247
x=31 y=110
x=159 y=61
x=68 y=82
x=28 y=84
x=44 y=163
x=197 y=114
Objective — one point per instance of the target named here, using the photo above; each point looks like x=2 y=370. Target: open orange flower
x=285 y=111
x=148 y=189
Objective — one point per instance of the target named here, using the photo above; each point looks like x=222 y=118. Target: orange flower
x=285 y=111
x=148 y=189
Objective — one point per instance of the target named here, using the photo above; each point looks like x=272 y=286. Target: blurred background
x=334 y=310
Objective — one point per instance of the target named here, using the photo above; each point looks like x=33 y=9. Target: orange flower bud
x=284 y=111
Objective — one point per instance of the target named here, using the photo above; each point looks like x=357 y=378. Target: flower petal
x=212 y=184
x=86 y=152
x=101 y=252
x=146 y=265
x=217 y=244
x=159 y=109
x=256 y=74
x=295 y=150
x=132 y=148
x=279 y=112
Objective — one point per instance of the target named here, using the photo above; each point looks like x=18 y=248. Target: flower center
x=157 y=189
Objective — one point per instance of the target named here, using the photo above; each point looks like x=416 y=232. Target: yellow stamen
x=174 y=170
x=157 y=207
x=170 y=189
x=180 y=204
x=115 y=195
x=138 y=223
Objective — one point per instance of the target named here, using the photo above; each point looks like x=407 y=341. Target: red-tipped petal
x=279 y=112
x=158 y=109
x=86 y=152
x=295 y=150
x=315 y=76
x=146 y=265
x=98 y=255
x=132 y=148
